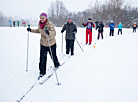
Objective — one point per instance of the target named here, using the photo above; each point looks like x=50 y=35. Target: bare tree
x=58 y=12
x=1 y=18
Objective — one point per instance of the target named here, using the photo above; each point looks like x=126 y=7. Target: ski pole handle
x=45 y=28
x=28 y=25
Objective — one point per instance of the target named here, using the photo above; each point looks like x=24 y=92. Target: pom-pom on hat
x=43 y=14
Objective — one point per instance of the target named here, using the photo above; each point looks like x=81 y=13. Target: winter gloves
x=73 y=32
x=82 y=23
x=62 y=31
x=28 y=29
x=47 y=32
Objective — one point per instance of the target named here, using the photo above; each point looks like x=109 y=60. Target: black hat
x=89 y=19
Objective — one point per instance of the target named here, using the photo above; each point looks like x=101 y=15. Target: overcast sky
x=33 y=8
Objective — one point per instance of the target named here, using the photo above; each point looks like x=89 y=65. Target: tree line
x=115 y=10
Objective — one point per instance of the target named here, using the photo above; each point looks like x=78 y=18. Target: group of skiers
x=18 y=23
x=48 y=42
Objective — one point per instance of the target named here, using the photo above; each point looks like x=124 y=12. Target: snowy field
x=106 y=73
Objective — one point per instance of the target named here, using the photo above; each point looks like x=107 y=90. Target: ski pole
x=52 y=58
x=79 y=45
x=27 y=49
x=62 y=44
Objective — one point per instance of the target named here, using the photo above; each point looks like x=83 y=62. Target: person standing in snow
x=24 y=23
x=14 y=23
x=45 y=41
x=134 y=27
x=89 y=26
x=71 y=31
x=112 y=26
x=18 y=23
x=100 y=30
x=10 y=23
x=120 y=26
x=97 y=23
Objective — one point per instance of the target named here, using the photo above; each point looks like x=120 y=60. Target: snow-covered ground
x=106 y=73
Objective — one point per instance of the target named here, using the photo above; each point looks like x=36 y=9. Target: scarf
x=42 y=24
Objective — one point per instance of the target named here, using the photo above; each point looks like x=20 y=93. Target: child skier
x=89 y=26
x=47 y=42
x=120 y=26
x=100 y=30
x=112 y=26
x=134 y=27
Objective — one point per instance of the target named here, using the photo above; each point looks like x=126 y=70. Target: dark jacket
x=135 y=26
x=71 y=30
x=96 y=22
x=100 y=27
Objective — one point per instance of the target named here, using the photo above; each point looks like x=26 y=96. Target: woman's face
x=42 y=19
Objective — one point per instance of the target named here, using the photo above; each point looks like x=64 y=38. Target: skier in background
x=14 y=23
x=10 y=22
x=112 y=26
x=24 y=23
x=47 y=44
x=100 y=30
x=120 y=26
x=18 y=23
x=97 y=23
x=134 y=27
x=71 y=31
x=88 y=26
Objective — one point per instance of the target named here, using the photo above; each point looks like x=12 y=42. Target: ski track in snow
x=106 y=73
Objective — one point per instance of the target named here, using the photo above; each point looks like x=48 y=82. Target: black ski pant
x=70 y=46
x=99 y=35
x=134 y=29
x=119 y=30
x=111 y=32
x=43 y=57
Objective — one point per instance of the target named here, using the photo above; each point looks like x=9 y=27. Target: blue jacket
x=112 y=26
x=120 y=26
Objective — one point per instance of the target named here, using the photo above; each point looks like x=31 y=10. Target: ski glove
x=47 y=32
x=82 y=23
x=62 y=31
x=28 y=29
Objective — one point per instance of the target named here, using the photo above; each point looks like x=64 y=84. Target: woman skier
x=47 y=42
